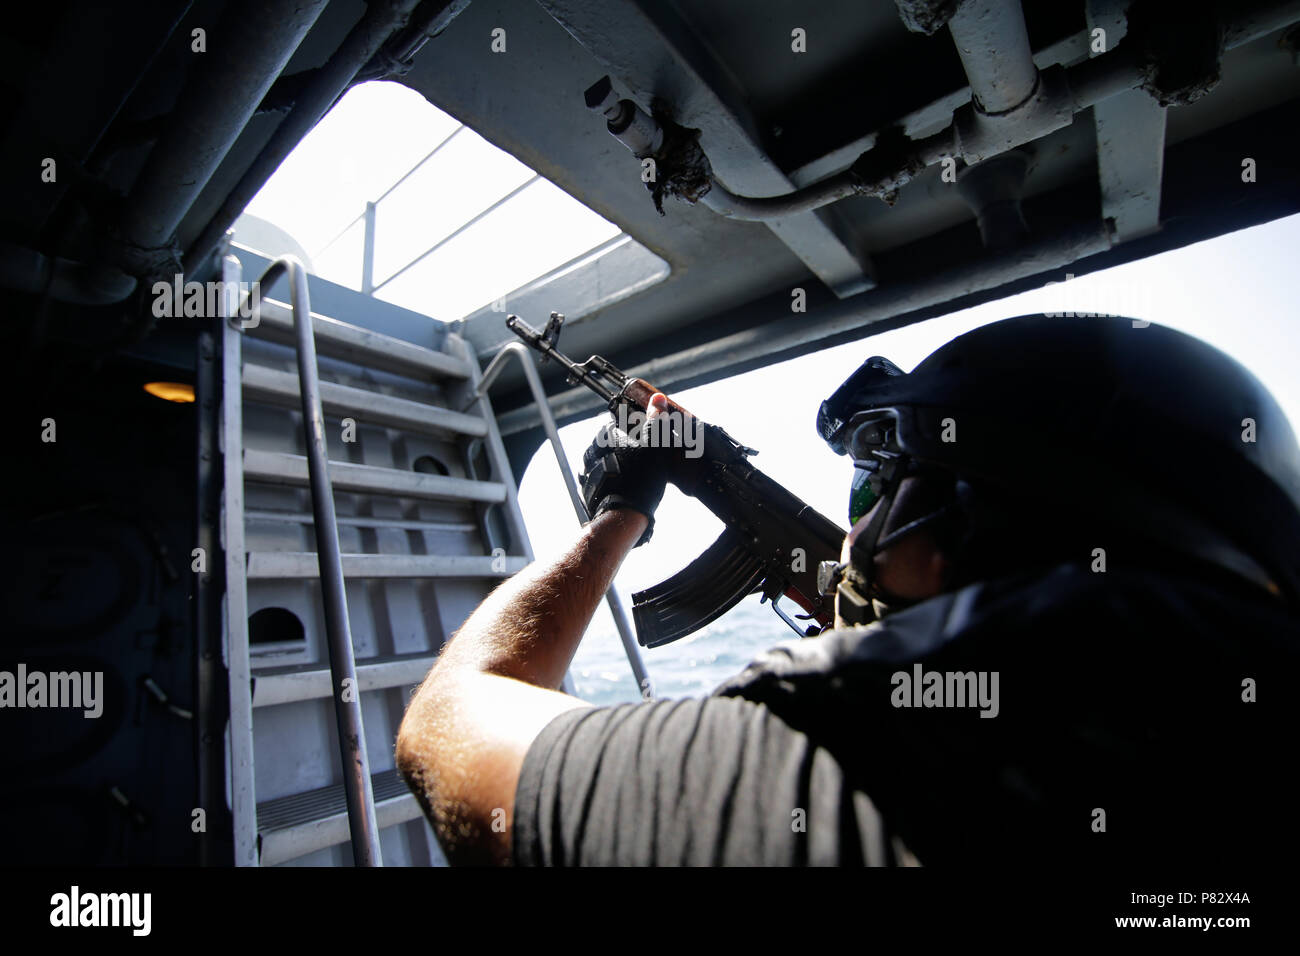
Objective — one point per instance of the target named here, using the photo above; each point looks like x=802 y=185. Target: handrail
x=243 y=785
x=517 y=349
x=477 y=218
x=343 y=666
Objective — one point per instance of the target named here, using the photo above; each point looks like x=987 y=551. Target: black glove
x=621 y=472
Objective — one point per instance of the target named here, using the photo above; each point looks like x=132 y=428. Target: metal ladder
x=426 y=506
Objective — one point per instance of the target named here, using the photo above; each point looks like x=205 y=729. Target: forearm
x=530 y=626
x=469 y=727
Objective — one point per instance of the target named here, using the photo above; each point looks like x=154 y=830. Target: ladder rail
x=328 y=815
x=519 y=350
x=243 y=792
x=498 y=461
x=343 y=669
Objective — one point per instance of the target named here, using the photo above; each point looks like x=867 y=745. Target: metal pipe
x=993 y=44
x=368 y=253
x=381 y=19
x=1252 y=19
x=1088 y=82
x=518 y=350
x=460 y=229
x=256 y=39
x=385 y=194
x=757 y=208
x=992 y=189
x=77 y=283
x=428 y=20
x=625 y=121
x=343 y=667
x=393 y=59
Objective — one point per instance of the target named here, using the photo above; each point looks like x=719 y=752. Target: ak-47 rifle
x=773 y=543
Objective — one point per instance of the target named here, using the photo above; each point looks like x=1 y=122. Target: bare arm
x=495 y=687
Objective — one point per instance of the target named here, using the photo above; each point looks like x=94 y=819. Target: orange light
x=171 y=391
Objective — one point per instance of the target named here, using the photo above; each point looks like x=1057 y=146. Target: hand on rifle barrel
x=622 y=470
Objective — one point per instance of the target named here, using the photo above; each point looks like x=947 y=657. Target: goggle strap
x=916 y=525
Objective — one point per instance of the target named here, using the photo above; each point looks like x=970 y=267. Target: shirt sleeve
x=696 y=782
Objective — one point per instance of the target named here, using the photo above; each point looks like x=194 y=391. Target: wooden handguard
x=638 y=391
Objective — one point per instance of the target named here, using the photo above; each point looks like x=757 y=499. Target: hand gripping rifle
x=773 y=543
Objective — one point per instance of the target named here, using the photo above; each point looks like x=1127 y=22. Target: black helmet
x=1136 y=425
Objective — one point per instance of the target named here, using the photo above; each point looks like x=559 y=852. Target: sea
x=691 y=667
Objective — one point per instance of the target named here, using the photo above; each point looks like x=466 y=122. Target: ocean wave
x=692 y=667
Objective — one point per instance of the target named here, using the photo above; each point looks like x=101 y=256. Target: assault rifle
x=772 y=544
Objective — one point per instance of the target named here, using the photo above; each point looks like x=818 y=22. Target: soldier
x=1065 y=610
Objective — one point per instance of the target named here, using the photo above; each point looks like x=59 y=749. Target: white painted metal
x=313 y=821
x=239 y=734
x=468 y=396
x=289 y=684
x=349 y=721
x=272 y=385
x=363 y=521
x=371 y=349
x=472 y=395
x=418 y=557
x=518 y=351
x=1130 y=141
x=279 y=468
x=302 y=564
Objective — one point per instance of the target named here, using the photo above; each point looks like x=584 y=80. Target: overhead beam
x=1191 y=215
x=1130 y=141
x=1075 y=242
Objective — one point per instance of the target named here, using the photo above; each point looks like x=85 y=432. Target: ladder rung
x=303 y=565
x=286 y=685
x=371 y=349
x=278 y=468
x=262 y=383
x=364 y=521
x=293 y=826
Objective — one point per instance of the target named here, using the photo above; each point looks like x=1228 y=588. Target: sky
x=363 y=148
x=1236 y=292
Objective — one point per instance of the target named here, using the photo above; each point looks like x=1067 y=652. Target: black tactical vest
x=1119 y=716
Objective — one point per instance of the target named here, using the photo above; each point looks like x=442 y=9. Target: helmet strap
x=859 y=597
x=856 y=600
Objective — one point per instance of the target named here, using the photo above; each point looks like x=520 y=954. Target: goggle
x=836 y=415
x=851 y=426
x=871 y=443
x=864 y=493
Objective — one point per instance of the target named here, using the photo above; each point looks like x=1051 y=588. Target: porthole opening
x=428 y=465
x=275 y=625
